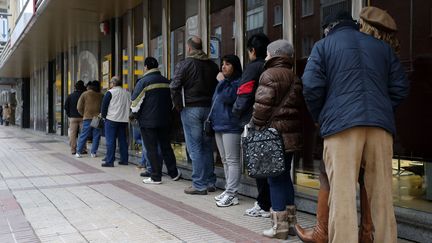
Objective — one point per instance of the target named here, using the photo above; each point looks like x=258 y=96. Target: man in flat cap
x=352 y=85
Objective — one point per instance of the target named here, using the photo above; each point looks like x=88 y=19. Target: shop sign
x=214 y=48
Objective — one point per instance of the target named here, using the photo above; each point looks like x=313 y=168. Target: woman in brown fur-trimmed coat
x=279 y=84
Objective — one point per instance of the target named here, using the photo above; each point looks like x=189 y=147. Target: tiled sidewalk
x=47 y=195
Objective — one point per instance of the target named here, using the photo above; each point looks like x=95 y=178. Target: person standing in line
x=277 y=105
x=7 y=114
x=192 y=89
x=115 y=111
x=88 y=106
x=354 y=103
x=152 y=106
x=1 y=115
x=227 y=128
x=75 y=118
x=381 y=25
x=243 y=107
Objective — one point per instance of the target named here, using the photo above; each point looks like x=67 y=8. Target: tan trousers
x=75 y=125
x=343 y=155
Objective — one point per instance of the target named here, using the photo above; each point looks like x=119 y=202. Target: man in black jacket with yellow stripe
x=151 y=101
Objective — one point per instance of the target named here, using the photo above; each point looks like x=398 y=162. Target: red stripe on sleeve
x=246 y=88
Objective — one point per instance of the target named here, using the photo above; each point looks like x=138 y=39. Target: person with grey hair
x=277 y=105
x=352 y=85
x=115 y=111
x=192 y=89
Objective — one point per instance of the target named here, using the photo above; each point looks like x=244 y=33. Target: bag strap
x=211 y=109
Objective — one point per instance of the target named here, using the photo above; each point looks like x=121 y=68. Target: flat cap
x=378 y=18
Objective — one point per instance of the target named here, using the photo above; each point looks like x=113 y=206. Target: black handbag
x=97 y=122
x=263 y=151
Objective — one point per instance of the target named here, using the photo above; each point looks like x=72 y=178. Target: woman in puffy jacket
x=227 y=128
x=277 y=104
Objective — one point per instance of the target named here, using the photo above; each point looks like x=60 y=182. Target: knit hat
x=378 y=18
x=280 y=48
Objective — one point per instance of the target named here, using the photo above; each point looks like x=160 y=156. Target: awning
x=56 y=26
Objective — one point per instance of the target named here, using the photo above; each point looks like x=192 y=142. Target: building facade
x=54 y=43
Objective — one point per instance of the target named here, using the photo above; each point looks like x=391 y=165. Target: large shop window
x=156 y=40
x=222 y=28
x=184 y=24
x=257 y=12
x=412 y=160
x=138 y=25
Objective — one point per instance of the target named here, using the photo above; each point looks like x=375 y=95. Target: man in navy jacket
x=352 y=86
x=151 y=101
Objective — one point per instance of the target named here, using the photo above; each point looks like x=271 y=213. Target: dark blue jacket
x=221 y=116
x=243 y=106
x=155 y=110
x=352 y=79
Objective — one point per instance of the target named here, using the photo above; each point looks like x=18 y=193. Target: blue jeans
x=282 y=188
x=114 y=130
x=137 y=134
x=199 y=146
x=86 y=131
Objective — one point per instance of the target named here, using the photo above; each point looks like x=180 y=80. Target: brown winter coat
x=277 y=81
x=89 y=104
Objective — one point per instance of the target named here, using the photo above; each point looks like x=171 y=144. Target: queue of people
x=352 y=85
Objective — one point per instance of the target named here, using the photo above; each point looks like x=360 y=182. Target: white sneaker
x=78 y=155
x=179 y=174
x=220 y=196
x=93 y=155
x=227 y=200
x=256 y=211
x=151 y=181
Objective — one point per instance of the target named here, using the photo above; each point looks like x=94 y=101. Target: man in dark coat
x=75 y=118
x=192 y=89
x=151 y=103
x=352 y=85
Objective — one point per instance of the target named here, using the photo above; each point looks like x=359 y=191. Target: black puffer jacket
x=279 y=84
x=196 y=75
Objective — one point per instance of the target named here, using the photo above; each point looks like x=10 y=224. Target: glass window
x=307 y=44
x=307 y=7
x=259 y=10
x=222 y=22
x=156 y=43
x=277 y=15
x=138 y=26
x=183 y=24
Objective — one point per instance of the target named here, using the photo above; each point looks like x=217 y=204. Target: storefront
x=120 y=43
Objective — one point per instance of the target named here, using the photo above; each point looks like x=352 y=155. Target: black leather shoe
x=107 y=165
x=123 y=163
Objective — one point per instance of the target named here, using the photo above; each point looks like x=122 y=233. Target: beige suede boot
x=279 y=227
